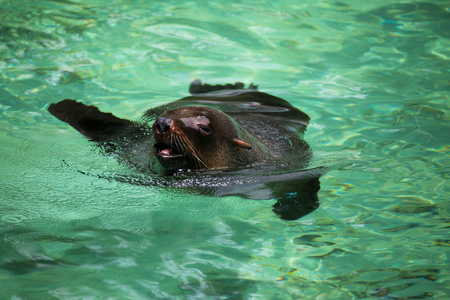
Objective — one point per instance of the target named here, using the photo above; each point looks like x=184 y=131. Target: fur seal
x=223 y=130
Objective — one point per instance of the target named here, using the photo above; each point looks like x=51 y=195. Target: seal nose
x=163 y=124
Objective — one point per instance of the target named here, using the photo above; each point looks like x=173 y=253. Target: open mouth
x=165 y=151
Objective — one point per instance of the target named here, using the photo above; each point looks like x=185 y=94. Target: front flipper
x=89 y=120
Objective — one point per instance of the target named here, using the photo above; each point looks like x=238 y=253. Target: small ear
x=242 y=144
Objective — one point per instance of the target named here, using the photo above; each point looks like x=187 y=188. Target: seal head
x=200 y=137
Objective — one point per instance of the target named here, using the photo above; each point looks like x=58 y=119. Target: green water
x=372 y=75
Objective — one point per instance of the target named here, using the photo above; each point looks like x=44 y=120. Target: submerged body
x=223 y=131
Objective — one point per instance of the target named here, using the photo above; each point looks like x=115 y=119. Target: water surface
x=372 y=75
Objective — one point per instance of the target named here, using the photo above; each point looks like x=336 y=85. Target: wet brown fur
x=228 y=145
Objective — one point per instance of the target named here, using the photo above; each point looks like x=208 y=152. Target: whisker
x=180 y=146
x=171 y=139
x=193 y=152
x=180 y=142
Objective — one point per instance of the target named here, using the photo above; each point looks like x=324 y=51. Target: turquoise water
x=372 y=75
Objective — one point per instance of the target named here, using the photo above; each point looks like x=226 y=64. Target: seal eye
x=205 y=130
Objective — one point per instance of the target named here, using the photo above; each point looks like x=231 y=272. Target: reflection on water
x=373 y=77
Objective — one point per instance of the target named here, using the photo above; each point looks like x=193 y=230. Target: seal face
x=172 y=147
x=222 y=129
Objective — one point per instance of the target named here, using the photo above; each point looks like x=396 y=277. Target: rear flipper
x=89 y=120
